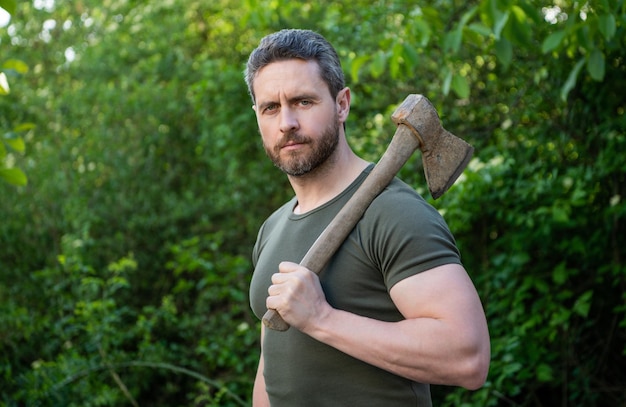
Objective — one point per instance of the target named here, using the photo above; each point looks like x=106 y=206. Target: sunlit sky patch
x=4 y=18
x=47 y=5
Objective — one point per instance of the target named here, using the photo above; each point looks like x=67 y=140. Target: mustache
x=293 y=137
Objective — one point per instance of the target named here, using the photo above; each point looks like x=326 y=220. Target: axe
x=444 y=157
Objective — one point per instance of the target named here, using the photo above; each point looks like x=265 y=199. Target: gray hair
x=296 y=44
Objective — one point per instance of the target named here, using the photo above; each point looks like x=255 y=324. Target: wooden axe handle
x=402 y=146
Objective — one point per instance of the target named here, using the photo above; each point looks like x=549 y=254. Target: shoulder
x=399 y=203
x=404 y=235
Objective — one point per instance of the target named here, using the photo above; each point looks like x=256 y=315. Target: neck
x=328 y=180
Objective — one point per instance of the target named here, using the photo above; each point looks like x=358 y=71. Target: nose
x=288 y=120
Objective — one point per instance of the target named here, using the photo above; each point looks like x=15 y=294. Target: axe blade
x=445 y=162
x=444 y=155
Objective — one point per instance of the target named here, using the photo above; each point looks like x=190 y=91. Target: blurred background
x=133 y=182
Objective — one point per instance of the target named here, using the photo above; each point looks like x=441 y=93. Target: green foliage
x=8 y=5
x=92 y=342
x=11 y=142
x=546 y=255
x=124 y=258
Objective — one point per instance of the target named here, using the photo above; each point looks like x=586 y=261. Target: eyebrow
x=263 y=105
x=295 y=99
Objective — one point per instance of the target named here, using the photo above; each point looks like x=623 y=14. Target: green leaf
x=355 y=67
x=480 y=29
x=607 y=26
x=559 y=274
x=378 y=64
x=560 y=214
x=596 y=65
x=16 y=65
x=583 y=304
x=571 y=79
x=504 y=51
x=500 y=23
x=531 y=12
x=447 y=81
x=544 y=373
x=4 y=84
x=13 y=176
x=460 y=86
x=520 y=29
x=15 y=142
x=410 y=55
x=24 y=127
x=394 y=61
x=552 y=41
x=9 y=5
x=452 y=41
x=424 y=30
x=467 y=16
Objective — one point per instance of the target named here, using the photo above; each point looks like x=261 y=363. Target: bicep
x=444 y=292
x=446 y=320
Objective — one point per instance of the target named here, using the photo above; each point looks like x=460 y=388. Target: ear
x=254 y=107
x=343 y=104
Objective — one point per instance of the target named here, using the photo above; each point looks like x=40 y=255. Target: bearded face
x=302 y=161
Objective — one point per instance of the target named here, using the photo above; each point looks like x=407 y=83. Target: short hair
x=306 y=45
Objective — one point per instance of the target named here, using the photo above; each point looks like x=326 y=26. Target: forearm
x=442 y=340
x=425 y=350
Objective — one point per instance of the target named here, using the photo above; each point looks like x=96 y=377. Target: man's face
x=297 y=116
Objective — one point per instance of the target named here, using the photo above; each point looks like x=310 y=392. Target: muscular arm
x=443 y=340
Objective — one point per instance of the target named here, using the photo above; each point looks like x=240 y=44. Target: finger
x=288 y=267
x=273 y=290
x=275 y=302
x=278 y=278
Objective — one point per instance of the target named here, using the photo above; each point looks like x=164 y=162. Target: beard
x=298 y=163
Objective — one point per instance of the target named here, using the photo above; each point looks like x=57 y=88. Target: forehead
x=289 y=77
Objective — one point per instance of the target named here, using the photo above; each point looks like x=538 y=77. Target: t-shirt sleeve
x=407 y=236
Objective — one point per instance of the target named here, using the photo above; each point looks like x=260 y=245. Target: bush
x=96 y=350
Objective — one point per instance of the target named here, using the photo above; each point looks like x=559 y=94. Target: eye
x=270 y=108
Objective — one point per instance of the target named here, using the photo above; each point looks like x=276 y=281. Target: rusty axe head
x=444 y=155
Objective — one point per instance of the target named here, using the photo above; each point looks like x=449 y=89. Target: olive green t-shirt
x=399 y=235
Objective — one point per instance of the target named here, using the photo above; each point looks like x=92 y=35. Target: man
x=394 y=309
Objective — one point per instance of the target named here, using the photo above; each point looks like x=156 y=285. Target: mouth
x=292 y=144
